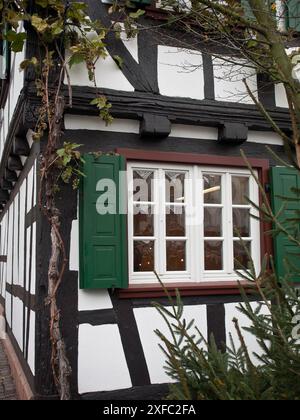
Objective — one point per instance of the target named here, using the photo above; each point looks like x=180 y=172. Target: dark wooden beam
x=4 y=196
x=14 y=163
x=20 y=146
x=6 y=185
x=233 y=133
x=210 y=113
x=155 y=126
x=10 y=176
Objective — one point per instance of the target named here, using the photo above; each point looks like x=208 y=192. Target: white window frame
x=195 y=272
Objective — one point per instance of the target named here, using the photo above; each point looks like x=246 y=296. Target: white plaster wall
x=80 y=122
x=88 y=300
x=8 y=309
x=93 y=300
x=180 y=73
x=16 y=242
x=31 y=343
x=3 y=252
x=10 y=246
x=101 y=361
x=130 y=43
x=30 y=188
x=194 y=132
x=16 y=85
x=228 y=78
x=280 y=96
x=108 y=75
x=17 y=321
x=148 y=320
x=77 y=122
x=232 y=312
x=28 y=233
x=22 y=233
x=33 y=260
x=265 y=137
x=74 y=247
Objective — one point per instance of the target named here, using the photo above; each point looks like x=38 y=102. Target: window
x=186 y=222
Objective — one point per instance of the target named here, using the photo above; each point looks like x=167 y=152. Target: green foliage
x=204 y=372
x=104 y=107
x=69 y=162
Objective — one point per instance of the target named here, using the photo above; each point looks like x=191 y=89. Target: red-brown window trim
x=206 y=288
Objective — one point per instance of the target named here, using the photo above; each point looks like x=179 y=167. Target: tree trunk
x=59 y=360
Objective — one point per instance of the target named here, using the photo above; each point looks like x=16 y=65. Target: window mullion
x=228 y=226
x=199 y=231
x=161 y=233
x=130 y=223
x=255 y=225
x=189 y=223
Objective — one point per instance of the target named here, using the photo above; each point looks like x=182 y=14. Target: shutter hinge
x=267 y=188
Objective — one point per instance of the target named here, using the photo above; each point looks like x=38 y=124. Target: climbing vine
x=58 y=26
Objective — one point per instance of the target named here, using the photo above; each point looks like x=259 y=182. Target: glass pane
x=241 y=259
x=175 y=187
x=175 y=221
x=176 y=256
x=241 y=223
x=240 y=189
x=143 y=221
x=212 y=222
x=213 y=255
x=212 y=189
x=143 y=185
x=143 y=256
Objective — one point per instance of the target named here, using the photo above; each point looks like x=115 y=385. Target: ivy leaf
x=39 y=24
x=42 y=3
x=137 y=14
x=16 y=39
x=26 y=63
x=119 y=60
x=76 y=58
x=100 y=102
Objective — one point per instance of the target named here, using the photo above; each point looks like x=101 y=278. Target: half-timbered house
x=170 y=123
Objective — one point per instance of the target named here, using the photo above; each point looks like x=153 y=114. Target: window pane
x=240 y=189
x=213 y=255
x=143 y=221
x=143 y=185
x=241 y=259
x=175 y=221
x=143 y=256
x=212 y=189
x=212 y=222
x=176 y=255
x=241 y=223
x=175 y=187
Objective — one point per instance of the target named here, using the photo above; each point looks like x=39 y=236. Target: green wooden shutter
x=287 y=254
x=103 y=238
x=293 y=8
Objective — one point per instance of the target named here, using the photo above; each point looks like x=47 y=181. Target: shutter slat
x=103 y=239
x=287 y=254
